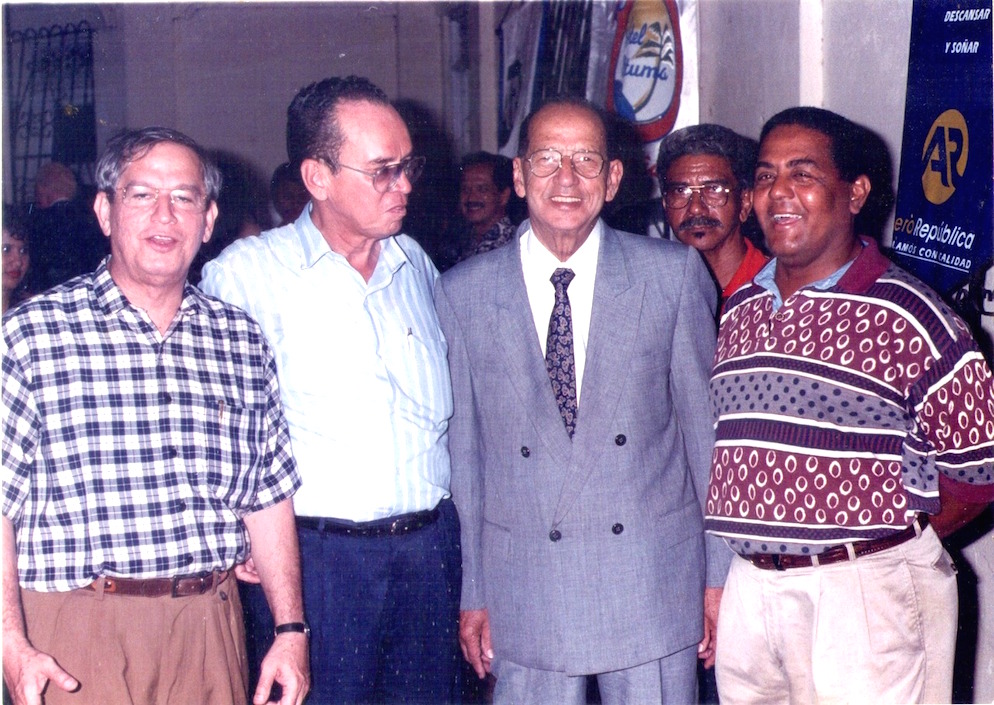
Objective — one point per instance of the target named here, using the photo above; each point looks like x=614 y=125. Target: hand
x=474 y=638
x=247 y=573
x=708 y=647
x=285 y=663
x=27 y=672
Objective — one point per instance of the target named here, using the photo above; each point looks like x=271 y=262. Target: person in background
x=855 y=428
x=65 y=237
x=288 y=193
x=581 y=439
x=705 y=176
x=484 y=192
x=145 y=453
x=347 y=302
x=16 y=258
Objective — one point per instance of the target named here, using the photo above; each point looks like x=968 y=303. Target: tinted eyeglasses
x=713 y=194
x=388 y=175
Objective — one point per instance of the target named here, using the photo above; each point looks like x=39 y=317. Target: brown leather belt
x=159 y=587
x=837 y=554
x=390 y=526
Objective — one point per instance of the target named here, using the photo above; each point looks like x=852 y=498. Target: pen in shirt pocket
x=220 y=410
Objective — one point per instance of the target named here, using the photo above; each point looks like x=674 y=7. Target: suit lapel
x=515 y=337
x=614 y=323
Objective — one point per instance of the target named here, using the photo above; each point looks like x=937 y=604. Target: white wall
x=752 y=61
x=225 y=72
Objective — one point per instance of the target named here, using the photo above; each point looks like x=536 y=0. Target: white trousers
x=880 y=629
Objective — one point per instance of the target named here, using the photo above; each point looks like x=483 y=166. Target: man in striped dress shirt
x=347 y=304
x=855 y=427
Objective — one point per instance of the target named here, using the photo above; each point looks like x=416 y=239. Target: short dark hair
x=129 y=145
x=15 y=224
x=312 y=129
x=716 y=140
x=284 y=174
x=569 y=101
x=846 y=137
x=501 y=170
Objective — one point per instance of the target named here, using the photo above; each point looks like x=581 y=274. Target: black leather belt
x=390 y=526
x=837 y=554
x=159 y=587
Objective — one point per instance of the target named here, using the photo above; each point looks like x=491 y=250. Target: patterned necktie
x=559 y=359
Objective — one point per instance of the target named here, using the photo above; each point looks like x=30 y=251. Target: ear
x=859 y=191
x=316 y=176
x=101 y=206
x=211 y=216
x=746 y=208
x=519 y=177
x=614 y=173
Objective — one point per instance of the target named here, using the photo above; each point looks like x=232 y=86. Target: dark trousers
x=384 y=614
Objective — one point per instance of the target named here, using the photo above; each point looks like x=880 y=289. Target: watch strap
x=299 y=627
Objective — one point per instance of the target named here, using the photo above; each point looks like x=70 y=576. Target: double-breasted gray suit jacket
x=588 y=554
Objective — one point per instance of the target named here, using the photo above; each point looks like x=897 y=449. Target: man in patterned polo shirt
x=144 y=444
x=855 y=418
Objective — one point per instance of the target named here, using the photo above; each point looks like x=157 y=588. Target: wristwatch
x=300 y=627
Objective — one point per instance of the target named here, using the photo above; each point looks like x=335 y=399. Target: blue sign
x=944 y=219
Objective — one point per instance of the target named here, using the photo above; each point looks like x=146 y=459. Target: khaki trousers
x=880 y=629
x=143 y=650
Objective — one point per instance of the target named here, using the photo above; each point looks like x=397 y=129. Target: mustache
x=699 y=221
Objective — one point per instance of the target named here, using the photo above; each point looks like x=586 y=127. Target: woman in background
x=16 y=258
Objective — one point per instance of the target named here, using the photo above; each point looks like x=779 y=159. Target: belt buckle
x=397 y=526
x=203 y=584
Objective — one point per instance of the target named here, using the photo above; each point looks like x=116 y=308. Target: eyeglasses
x=388 y=175
x=713 y=194
x=546 y=162
x=145 y=197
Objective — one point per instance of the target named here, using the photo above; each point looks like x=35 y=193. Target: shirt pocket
x=228 y=450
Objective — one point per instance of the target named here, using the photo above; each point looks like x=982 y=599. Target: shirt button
x=165 y=398
x=620 y=439
x=525 y=451
x=171 y=452
x=555 y=535
x=617 y=529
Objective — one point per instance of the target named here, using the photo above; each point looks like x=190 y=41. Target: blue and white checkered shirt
x=131 y=453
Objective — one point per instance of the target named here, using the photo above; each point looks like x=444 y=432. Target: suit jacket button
x=620 y=439
x=555 y=535
x=617 y=529
x=525 y=451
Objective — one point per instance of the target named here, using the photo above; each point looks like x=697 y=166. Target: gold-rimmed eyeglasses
x=713 y=194
x=546 y=162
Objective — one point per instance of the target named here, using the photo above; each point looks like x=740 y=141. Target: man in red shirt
x=705 y=175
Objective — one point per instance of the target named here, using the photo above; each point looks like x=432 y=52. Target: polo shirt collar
x=855 y=276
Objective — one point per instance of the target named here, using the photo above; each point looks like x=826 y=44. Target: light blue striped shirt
x=362 y=367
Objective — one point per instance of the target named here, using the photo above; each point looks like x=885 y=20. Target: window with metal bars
x=50 y=99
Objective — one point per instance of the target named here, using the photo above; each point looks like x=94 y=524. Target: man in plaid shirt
x=144 y=445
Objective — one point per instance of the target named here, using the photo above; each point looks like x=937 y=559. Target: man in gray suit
x=581 y=439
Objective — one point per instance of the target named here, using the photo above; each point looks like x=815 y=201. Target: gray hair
x=716 y=140
x=127 y=146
